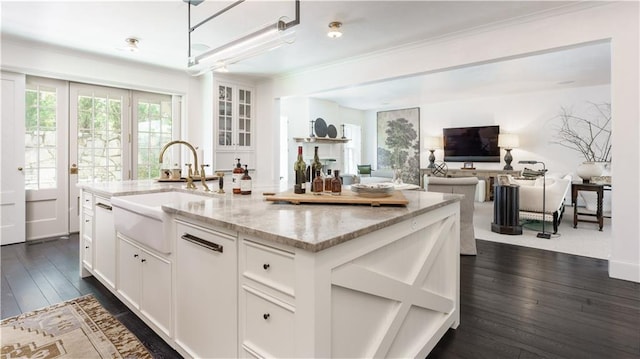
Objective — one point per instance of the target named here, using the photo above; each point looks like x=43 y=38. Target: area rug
x=78 y=328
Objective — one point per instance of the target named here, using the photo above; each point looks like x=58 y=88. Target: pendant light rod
x=279 y=27
x=216 y=15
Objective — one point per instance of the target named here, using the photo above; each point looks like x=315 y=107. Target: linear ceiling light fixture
x=258 y=42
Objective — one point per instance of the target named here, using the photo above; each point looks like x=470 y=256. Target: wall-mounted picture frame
x=398 y=147
x=468 y=166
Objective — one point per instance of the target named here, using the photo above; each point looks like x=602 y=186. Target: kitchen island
x=250 y=278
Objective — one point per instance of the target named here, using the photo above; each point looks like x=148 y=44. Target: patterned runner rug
x=78 y=328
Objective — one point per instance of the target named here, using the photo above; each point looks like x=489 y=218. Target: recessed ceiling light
x=131 y=45
x=334 y=29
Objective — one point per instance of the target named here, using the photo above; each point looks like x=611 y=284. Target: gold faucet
x=204 y=178
x=190 y=184
x=196 y=173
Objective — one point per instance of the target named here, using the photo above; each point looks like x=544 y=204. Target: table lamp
x=432 y=143
x=508 y=141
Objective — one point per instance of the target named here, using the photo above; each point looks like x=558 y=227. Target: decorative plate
x=321 y=127
x=373 y=190
x=332 y=131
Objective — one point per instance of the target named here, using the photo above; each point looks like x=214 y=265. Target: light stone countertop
x=312 y=227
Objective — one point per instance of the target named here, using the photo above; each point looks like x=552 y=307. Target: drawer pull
x=266 y=266
x=143 y=260
x=86 y=247
x=266 y=316
x=201 y=242
x=104 y=206
x=135 y=256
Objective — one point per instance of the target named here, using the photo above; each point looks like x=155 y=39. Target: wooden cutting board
x=346 y=197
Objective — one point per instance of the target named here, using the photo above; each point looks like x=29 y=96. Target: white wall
x=46 y=61
x=533 y=116
x=617 y=22
x=300 y=111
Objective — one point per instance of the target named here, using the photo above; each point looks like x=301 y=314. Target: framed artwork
x=398 y=148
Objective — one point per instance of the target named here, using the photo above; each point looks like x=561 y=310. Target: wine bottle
x=237 y=174
x=245 y=182
x=316 y=165
x=299 y=167
x=318 y=183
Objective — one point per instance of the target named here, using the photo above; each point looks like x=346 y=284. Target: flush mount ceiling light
x=334 y=29
x=131 y=44
x=258 y=42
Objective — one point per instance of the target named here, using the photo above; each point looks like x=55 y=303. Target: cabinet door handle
x=135 y=256
x=143 y=260
x=104 y=206
x=86 y=247
x=266 y=266
x=266 y=316
x=201 y=242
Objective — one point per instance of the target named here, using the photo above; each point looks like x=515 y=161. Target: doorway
x=83 y=133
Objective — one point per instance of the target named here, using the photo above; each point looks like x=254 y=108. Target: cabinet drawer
x=87 y=200
x=269 y=266
x=87 y=225
x=87 y=252
x=268 y=326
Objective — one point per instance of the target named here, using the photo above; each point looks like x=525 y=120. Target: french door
x=12 y=192
x=45 y=157
x=99 y=139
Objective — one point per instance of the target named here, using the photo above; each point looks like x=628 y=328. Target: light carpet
x=78 y=328
x=585 y=240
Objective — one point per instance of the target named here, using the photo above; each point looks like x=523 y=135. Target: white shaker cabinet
x=144 y=280
x=104 y=242
x=86 y=233
x=206 y=292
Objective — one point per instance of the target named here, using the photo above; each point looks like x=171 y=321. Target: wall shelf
x=321 y=140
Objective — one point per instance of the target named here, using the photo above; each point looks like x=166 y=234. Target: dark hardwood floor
x=516 y=302
x=42 y=273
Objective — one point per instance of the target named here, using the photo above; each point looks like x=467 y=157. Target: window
x=353 y=148
x=41 y=146
x=154 y=120
x=99 y=129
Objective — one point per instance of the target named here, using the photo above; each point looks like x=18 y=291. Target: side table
x=506 y=209
x=588 y=187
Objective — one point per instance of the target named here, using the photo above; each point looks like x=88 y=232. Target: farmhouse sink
x=140 y=217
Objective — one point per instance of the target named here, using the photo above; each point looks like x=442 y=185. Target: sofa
x=467 y=187
x=557 y=191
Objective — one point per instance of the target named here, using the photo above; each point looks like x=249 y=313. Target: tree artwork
x=399 y=144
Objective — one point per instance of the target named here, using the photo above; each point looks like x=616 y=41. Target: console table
x=488 y=176
x=588 y=187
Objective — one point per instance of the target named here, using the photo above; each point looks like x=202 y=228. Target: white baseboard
x=624 y=270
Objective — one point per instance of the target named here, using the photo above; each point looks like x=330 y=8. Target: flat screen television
x=471 y=144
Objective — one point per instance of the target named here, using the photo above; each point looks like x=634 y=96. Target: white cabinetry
x=104 y=242
x=234 y=124
x=144 y=280
x=267 y=311
x=86 y=233
x=206 y=292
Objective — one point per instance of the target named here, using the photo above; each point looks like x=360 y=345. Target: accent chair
x=467 y=187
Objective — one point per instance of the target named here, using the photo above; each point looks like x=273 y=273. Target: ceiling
x=100 y=27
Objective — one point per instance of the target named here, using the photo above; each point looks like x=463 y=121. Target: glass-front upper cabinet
x=235 y=116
